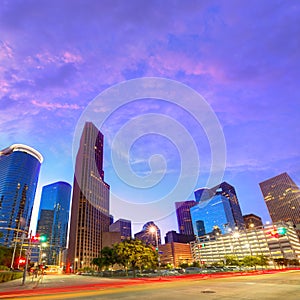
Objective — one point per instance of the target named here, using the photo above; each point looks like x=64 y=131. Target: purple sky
x=242 y=56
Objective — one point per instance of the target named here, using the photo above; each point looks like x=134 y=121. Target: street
x=282 y=285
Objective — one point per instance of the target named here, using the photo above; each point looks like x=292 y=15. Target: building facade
x=53 y=219
x=215 y=214
x=20 y=167
x=228 y=191
x=282 y=197
x=90 y=201
x=277 y=240
x=184 y=220
x=252 y=221
x=123 y=226
x=175 y=254
x=150 y=234
x=173 y=236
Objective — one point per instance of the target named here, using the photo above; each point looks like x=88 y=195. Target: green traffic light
x=282 y=230
x=43 y=238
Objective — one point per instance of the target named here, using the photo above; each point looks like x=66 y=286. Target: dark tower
x=90 y=201
x=282 y=197
x=184 y=219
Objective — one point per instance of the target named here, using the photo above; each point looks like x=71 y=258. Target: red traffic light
x=21 y=261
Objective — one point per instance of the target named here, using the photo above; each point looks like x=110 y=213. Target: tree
x=107 y=257
x=135 y=254
x=262 y=260
x=250 y=261
x=5 y=256
x=231 y=260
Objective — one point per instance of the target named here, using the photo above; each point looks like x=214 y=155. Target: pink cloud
x=51 y=106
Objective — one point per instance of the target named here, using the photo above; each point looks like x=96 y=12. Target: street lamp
x=153 y=230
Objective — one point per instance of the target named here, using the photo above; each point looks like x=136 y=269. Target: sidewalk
x=16 y=285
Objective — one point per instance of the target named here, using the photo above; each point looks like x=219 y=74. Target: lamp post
x=153 y=229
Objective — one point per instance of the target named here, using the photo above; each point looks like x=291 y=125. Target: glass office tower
x=53 y=219
x=19 y=172
x=215 y=213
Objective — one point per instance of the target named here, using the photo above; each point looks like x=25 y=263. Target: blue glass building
x=19 y=172
x=228 y=191
x=53 y=219
x=214 y=213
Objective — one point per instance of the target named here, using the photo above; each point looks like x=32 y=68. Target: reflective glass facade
x=213 y=212
x=54 y=217
x=19 y=171
x=228 y=191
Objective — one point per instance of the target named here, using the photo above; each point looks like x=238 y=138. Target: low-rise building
x=278 y=240
x=175 y=254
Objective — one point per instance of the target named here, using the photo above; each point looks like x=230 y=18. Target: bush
x=7 y=276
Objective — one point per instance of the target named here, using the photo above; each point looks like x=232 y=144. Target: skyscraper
x=282 y=197
x=90 y=200
x=150 y=234
x=185 y=225
x=228 y=191
x=53 y=219
x=215 y=213
x=122 y=226
x=20 y=167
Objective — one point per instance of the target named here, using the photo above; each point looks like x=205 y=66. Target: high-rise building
x=282 y=197
x=227 y=191
x=19 y=172
x=53 y=219
x=252 y=221
x=184 y=219
x=173 y=236
x=215 y=213
x=122 y=226
x=150 y=234
x=90 y=201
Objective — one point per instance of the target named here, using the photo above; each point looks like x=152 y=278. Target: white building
x=278 y=240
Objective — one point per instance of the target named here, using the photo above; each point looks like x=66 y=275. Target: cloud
x=51 y=106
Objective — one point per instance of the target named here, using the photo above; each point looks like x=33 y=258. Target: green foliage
x=184 y=265
x=5 y=256
x=131 y=254
x=250 y=261
x=135 y=254
x=196 y=264
x=232 y=260
x=263 y=261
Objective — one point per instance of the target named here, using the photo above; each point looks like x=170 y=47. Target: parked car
x=192 y=270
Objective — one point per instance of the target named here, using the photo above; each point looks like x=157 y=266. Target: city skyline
x=57 y=57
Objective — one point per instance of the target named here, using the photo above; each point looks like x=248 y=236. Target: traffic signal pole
x=27 y=259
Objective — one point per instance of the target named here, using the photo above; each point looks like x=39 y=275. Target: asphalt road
x=285 y=285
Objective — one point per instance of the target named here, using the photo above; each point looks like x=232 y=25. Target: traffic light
x=34 y=238
x=282 y=230
x=21 y=261
x=43 y=238
x=274 y=233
